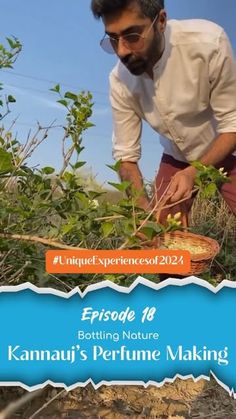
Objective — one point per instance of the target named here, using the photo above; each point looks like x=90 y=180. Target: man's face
x=131 y=20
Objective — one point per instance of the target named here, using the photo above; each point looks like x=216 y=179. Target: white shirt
x=190 y=100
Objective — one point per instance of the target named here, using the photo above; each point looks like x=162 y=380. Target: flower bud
x=177 y=216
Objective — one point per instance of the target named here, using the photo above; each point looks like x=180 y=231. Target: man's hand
x=181 y=184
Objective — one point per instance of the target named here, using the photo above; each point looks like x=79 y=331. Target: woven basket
x=199 y=262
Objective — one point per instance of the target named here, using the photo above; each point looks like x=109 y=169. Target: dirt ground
x=181 y=400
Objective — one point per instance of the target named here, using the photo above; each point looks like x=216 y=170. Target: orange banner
x=118 y=261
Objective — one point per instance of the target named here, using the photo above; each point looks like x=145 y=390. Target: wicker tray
x=200 y=262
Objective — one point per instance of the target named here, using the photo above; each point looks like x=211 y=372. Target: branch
x=46 y=404
x=14 y=406
x=43 y=240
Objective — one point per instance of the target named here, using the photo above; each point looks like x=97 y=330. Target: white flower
x=94 y=203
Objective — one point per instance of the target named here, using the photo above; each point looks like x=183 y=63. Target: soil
x=182 y=399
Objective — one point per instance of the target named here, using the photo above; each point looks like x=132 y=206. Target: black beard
x=136 y=66
x=140 y=65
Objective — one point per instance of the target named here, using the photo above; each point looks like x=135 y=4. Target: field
x=42 y=209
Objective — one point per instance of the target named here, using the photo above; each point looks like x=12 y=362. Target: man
x=179 y=76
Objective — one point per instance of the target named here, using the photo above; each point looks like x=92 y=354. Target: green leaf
x=48 y=170
x=67 y=228
x=89 y=125
x=151 y=229
x=11 y=42
x=78 y=148
x=115 y=167
x=112 y=278
x=107 y=229
x=56 y=88
x=210 y=190
x=198 y=165
x=78 y=164
x=70 y=95
x=128 y=227
x=63 y=102
x=149 y=232
x=11 y=99
x=155 y=226
x=83 y=198
x=126 y=203
x=120 y=186
x=5 y=162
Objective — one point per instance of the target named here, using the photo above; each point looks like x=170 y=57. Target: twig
x=5 y=257
x=118 y=217
x=113 y=217
x=123 y=246
x=46 y=404
x=16 y=405
x=19 y=272
x=63 y=283
x=181 y=200
x=133 y=213
x=211 y=415
x=158 y=203
x=28 y=149
x=67 y=154
x=45 y=241
x=162 y=199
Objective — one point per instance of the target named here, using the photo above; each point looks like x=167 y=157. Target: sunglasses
x=132 y=41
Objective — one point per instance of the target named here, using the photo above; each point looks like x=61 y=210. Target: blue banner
x=143 y=334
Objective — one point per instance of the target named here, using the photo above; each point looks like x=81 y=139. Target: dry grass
x=215 y=215
x=214 y=219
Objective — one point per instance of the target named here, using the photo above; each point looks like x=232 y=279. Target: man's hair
x=149 y=8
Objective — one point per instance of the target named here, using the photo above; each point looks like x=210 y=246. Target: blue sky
x=61 y=45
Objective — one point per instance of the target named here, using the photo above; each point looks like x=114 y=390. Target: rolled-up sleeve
x=127 y=124
x=222 y=72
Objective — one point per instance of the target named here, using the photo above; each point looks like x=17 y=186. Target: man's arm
x=182 y=183
x=130 y=172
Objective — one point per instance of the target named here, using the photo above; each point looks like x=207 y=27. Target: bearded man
x=180 y=77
